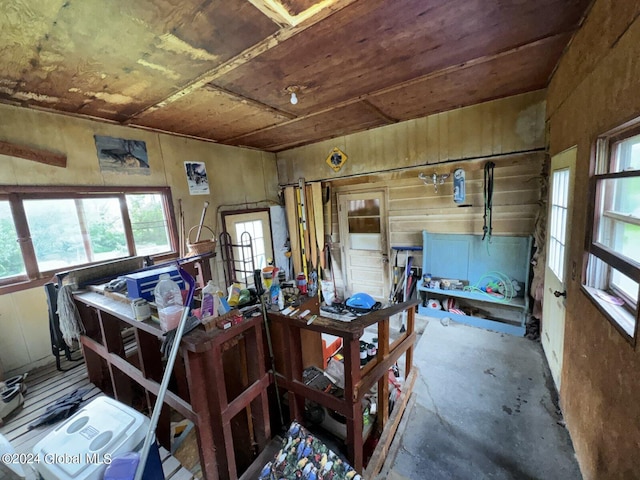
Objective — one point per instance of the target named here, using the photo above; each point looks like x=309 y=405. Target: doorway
x=362 y=218
x=561 y=182
x=250 y=232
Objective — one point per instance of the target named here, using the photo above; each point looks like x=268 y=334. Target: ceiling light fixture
x=293 y=90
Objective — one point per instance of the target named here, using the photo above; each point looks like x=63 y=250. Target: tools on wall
x=305 y=218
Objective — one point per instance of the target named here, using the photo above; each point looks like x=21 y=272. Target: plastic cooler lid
x=100 y=427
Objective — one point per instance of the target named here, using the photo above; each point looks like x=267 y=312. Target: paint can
x=141 y=309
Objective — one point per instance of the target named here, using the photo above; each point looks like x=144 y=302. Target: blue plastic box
x=142 y=284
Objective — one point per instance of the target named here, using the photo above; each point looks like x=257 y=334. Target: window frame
x=33 y=277
x=601 y=166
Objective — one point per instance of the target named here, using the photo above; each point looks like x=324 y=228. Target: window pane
x=148 y=222
x=364 y=225
x=106 y=230
x=558 y=221
x=626 y=155
x=619 y=227
x=358 y=208
x=255 y=229
x=625 y=284
x=11 y=263
x=56 y=233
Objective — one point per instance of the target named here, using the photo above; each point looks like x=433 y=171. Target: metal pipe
x=157 y=408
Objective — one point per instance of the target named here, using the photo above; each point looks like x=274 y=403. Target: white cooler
x=81 y=447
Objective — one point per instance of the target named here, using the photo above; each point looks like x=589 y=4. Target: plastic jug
x=169 y=302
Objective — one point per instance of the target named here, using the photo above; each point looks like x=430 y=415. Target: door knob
x=560 y=294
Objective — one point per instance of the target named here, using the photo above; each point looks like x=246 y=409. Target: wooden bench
x=478 y=263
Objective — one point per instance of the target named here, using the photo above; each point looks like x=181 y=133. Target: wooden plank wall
x=508 y=132
x=499 y=127
x=413 y=206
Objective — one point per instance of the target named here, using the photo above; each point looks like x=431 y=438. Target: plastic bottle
x=168 y=299
x=302 y=283
x=275 y=293
x=208 y=307
x=234 y=294
x=281 y=300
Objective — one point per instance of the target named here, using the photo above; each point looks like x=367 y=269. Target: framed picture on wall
x=121 y=155
x=197 y=178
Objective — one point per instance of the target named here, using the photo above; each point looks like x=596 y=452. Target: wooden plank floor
x=45 y=386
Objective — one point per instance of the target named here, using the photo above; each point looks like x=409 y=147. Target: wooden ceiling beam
x=379 y=112
x=325 y=10
x=275 y=11
x=250 y=101
x=33 y=154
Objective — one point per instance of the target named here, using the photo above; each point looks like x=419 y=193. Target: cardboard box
x=142 y=284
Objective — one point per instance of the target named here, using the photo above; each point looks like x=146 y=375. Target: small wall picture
x=120 y=155
x=197 y=178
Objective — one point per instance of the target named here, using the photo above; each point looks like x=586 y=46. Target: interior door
x=559 y=218
x=363 y=236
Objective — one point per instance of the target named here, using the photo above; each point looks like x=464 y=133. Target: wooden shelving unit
x=204 y=394
x=295 y=343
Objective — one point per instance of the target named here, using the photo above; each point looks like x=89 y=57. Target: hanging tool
x=166 y=377
x=302 y=221
x=204 y=212
x=488 y=199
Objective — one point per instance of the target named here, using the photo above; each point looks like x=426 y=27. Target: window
x=253 y=228
x=46 y=231
x=250 y=234
x=613 y=266
x=558 y=232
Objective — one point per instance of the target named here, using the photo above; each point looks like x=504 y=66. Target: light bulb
x=294 y=98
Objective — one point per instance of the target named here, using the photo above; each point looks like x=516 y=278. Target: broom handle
x=204 y=212
x=166 y=377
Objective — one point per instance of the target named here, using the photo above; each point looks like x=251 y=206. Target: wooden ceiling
x=220 y=70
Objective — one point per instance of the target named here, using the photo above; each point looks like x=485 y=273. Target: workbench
x=297 y=346
x=220 y=386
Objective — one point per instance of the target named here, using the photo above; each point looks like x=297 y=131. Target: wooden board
x=380 y=453
x=318 y=212
x=292 y=224
x=311 y=227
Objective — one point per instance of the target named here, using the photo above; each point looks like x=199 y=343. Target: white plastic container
x=168 y=299
x=81 y=447
x=208 y=307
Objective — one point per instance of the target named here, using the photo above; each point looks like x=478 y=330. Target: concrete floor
x=485 y=408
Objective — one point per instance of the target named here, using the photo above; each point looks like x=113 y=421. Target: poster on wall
x=197 y=178
x=120 y=155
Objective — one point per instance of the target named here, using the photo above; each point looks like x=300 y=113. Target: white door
x=559 y=218
x=363 y=237
x=257 y=249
